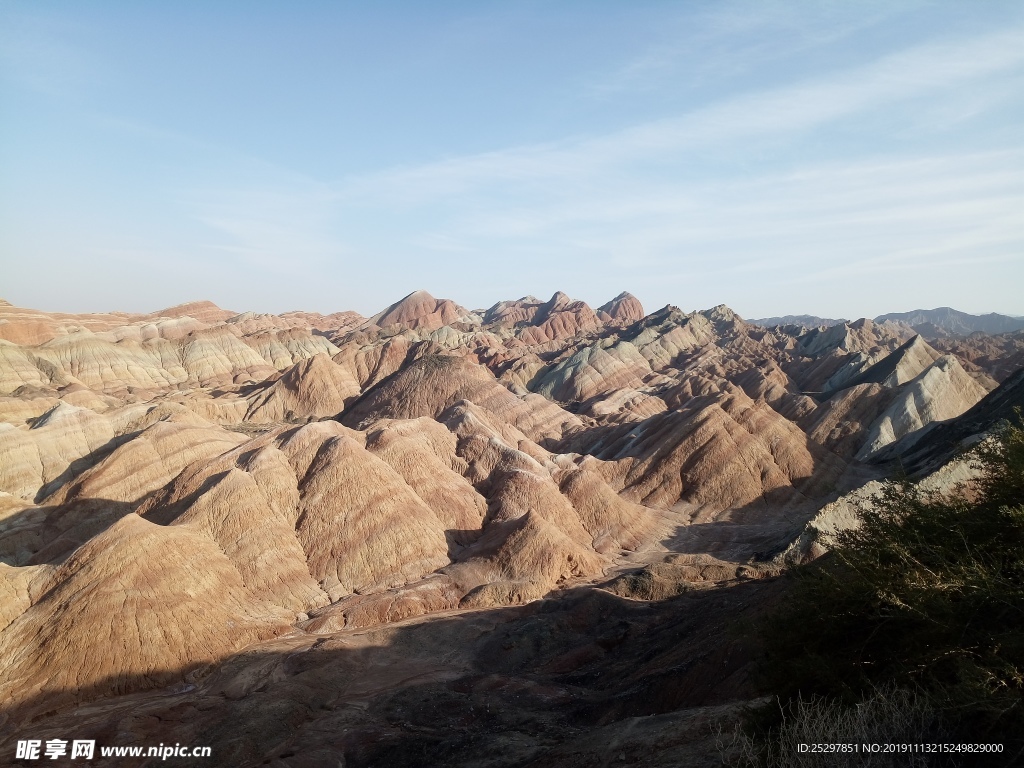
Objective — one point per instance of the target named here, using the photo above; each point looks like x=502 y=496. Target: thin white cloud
x=727 y=41
x=782 y=113
x=629 y=203
x=828 y=225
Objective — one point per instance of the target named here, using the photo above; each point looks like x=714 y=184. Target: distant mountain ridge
x=807 y=321
x=947 y=321
x=930 y=323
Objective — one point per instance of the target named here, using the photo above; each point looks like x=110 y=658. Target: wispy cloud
x=636 y=199
x=726 y=40
x=885 y=167
x=771 y=115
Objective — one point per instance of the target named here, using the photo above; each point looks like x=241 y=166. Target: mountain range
x=946 y=321
x=930 y=323
x=438 y=535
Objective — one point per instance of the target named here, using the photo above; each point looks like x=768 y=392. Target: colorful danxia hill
x=440 y=536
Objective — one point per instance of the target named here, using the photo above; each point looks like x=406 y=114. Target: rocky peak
x=559 y=302
x=623 y=309
x=724 y=319
x=512 y=312
x=420 y=310
x=203 y=311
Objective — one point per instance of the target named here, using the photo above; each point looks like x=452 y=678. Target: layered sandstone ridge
x=177 y=486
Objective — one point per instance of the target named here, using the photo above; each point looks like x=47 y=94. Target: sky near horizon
x=831 y=158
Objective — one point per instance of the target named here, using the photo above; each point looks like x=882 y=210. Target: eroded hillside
x=212 y=507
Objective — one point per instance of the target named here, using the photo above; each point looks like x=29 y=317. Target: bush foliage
x=927 y=595
x=888 y=716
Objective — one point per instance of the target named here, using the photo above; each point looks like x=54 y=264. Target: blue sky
x=834 y=158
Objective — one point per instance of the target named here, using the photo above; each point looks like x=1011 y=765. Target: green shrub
x=927 y=595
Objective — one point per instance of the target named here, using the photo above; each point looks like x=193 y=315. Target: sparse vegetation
x=927 y=595
x=886 y=716
x=436 y=362
x=651 y=583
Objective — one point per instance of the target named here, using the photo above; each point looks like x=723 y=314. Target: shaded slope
x=127 y=605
